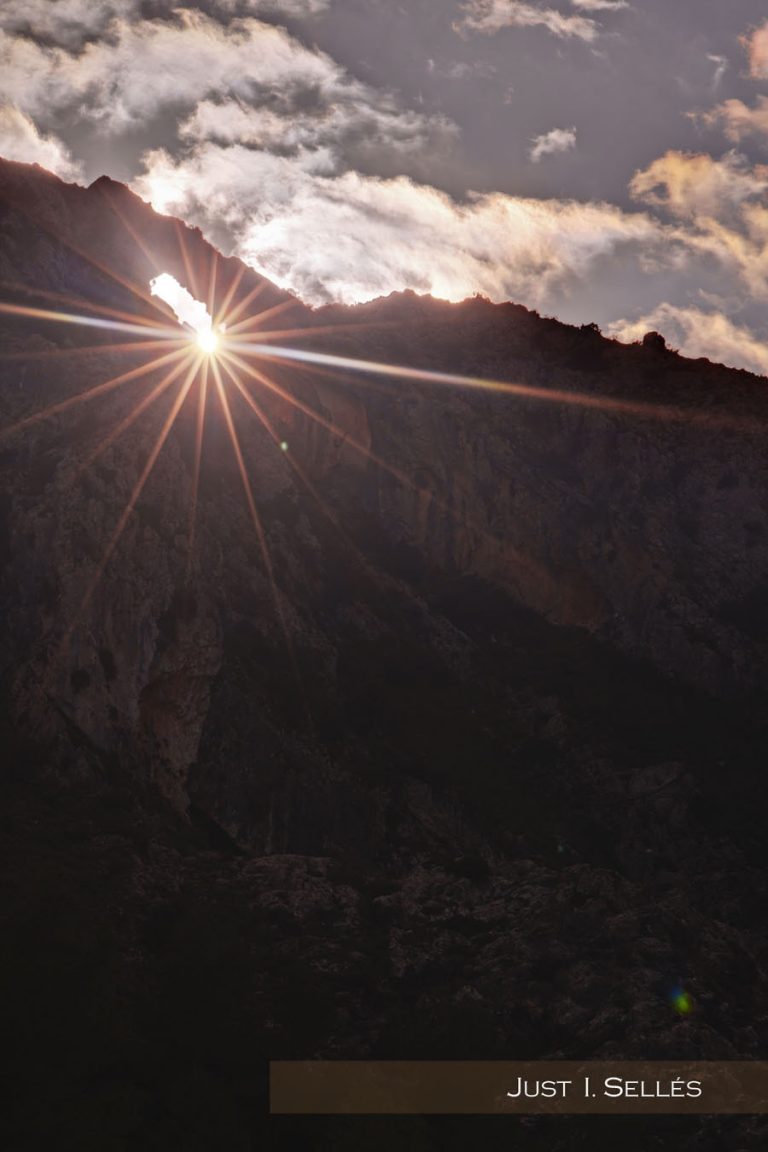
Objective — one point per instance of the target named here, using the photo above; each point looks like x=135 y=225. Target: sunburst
x=230 y=344
x=209 y=342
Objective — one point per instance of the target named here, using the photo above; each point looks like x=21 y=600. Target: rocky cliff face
x=477 y=772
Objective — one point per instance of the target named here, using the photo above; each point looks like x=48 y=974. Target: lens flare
x=682 y=1001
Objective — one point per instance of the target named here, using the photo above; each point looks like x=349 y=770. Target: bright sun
x=208 y=341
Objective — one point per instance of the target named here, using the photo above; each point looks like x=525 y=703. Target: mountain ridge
x=108 y=183
x=473 y=768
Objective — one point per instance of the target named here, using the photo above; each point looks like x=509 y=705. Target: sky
x=598 y=160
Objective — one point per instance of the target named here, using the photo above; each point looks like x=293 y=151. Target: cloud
x=757 y=50
x=351 y=237
x=280 y=185
x=737 y=119
x=188 y=310
x=698 y=333
x=65 y=22
x=153 y=65
x=353 y=131
x=21 y=140
x=600 y=5
x=461 y=70
x=722 y=206
x=143 y=68
x=70 y=23
x=721 y=67
x=247 y=81
x=557 y=140
x=295 y=9
x=489 y=16
x=284 y=158
x=691 y=185
x=289 y=177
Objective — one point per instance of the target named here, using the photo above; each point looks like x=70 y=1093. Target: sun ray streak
x=134 y=234
x=520 y=558
x=246 y=302
x=244 y=477
x=92 y=393
x=199 y=434
x=87 y=321
x=307 y=330
x=315 y=371
x=236 y=280
x=212 y=283
x=188 y=267
x=294 y=464
x=281 y=354
x=259 y=528
x=99 y=265
x=365 y=451
x=133 y=499
x=257 y=320
x=77 y=302
x=131 y=418
x=85 y=349
x=268 y=382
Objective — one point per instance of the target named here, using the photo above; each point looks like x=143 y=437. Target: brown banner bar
x=610 y=1088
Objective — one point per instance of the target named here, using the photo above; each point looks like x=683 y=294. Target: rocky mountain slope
x=488 y=784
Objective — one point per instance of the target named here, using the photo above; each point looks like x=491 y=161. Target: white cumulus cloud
x=692 y=185
x=65 y=22
x=352 y=237
x=722 y=207
x=600 y=5
x=756 y=44
x=70 y=22
x=295 y=9
x=550 y=143
x=329 y=185
x=698 y=333
x=21 y=140
x=362 y=132
x=188 y=310
x=489 y=16
x=738 y=120
x=248 y=81
x=143 y=68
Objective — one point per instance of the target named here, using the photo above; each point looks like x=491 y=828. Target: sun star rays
x=202 y=400
x=222 y=346
x=111 y=325
x=91 y=393
x=137 y=490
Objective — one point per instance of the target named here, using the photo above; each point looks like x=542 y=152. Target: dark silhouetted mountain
x=474 y=767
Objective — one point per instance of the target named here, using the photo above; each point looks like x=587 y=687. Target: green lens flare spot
x=682 y=1002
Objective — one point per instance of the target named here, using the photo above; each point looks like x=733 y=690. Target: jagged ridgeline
x=447 y=742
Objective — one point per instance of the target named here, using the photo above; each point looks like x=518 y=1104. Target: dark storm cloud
x=593 y=158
